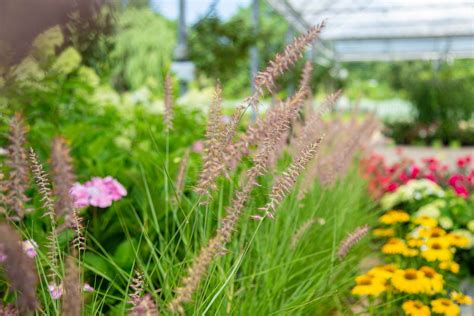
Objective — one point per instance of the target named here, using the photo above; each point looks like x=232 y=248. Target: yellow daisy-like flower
x=394 y=216
x=394 y=246
x=415 y=308
x=425 y=221
x=368 y=285
x=450 y=266
x=458 y=240
x=445 y=307
x=435 y=281
x=433 y=232
x=437 y=249
x=415 y=242
x=409 y=252
x=461 y=298
x=383 y=272
x=383 y=232
x=409 y=281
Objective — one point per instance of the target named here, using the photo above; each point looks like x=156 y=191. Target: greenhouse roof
x=365 y=30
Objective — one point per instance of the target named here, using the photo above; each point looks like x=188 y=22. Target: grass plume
x=213 y=147
x=168 y=113
x=283 y=61
x=19 y=269
x=17 y=163
x=62 y=175
x=288 y=179
x=351 y=240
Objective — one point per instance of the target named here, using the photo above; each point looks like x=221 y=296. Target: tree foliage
x=143 y=48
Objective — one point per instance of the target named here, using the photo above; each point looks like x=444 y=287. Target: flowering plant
x=384 y=177
x=98 y=192
x=418 y=276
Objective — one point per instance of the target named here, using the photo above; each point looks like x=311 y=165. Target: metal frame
x=364 y=30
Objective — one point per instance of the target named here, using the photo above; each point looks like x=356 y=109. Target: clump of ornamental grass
x=63 y=176
x=216 y=245
x=19 y=269
x=351 y=240
x=168 y=113
x=17 y=163
x=265 y=152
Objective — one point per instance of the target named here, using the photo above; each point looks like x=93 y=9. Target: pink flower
x=392 y=187
x=116 y=190
x=29 y=247
x=80 y=195
x=198 y=146
x=88 y=288
x=461 y=191
x=415 y=171
x=56 y=291
x=455 y=179
x=99 y=192
x=431 y=176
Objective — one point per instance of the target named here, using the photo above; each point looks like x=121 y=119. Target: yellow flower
x=416 y=308
x=461 y=298
x=445 y=307
x=437 y=249
x=383 y=232
x=409 y=252
x=415 y=242
x=433 y=232
x=458 y=240
x=368 y=285
x=425 y=221
x=394 y=246
x=449 y=265
x=435 y=280
x=393 y=216
x=383 y=272
x=409 y=281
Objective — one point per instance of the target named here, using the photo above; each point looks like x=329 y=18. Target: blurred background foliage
x=129 y=47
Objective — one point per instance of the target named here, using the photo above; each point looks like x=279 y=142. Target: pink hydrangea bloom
x=99 y=192
x=56 y=291
x=29 y=247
